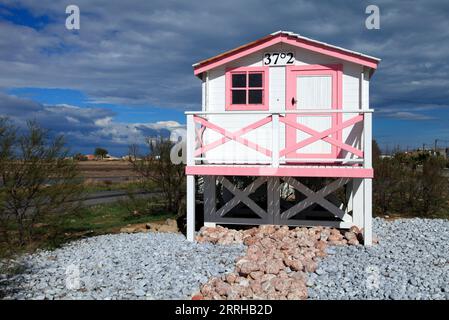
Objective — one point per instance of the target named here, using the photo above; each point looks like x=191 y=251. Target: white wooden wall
x=214 y=100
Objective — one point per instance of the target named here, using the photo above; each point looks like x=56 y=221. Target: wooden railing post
x=190 y=196
x=367 y=182
x=191 y=140
x=367 y=139
x=275 y=140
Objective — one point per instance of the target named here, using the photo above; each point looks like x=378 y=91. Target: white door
x=311 y=90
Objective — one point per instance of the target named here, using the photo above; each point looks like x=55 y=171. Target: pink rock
x=294 y=264
x=354 y=229
x=325 y=234
x=299 y=275
x=243 y=282
x=282 y=285
x=247 y=292
x=335 y=231
x=341 y=242
x=267 y=277
x=274 y=266
x=321 y=245
x=226 y=240
x=297 y=295
x=207 y=290
x=223 y=288
x=256 y=287
x=234 y=294
x=297 y=265
x=230 y=277
x=247 y=267
x=216 y=296
x=335 y=237
x=255 y=275
x=309 y=265
x=249 y=241
x=349 y=235
x=267 y=286
x=267 y=229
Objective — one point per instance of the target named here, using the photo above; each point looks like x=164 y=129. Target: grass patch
x=127 y=186
x=107 y=185
x=54 y=231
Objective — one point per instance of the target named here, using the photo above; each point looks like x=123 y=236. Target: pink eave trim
x=269 y=41
x=291 y=171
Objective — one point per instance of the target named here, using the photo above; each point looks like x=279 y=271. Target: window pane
x=255 y=80
x=239 y=80
x=238 y=96
x=255 y=96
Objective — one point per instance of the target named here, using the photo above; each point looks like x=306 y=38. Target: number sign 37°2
x=278 y=58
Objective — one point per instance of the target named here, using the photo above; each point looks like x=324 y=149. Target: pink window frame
x=247 y=107
x=335 y=71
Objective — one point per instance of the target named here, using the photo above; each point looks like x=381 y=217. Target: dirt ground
x=101 y=170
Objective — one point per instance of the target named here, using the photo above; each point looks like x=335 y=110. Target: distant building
x=111 y=158
x=90 y=157
x=443 y=152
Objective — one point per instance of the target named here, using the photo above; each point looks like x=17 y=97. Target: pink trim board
x=287 y=171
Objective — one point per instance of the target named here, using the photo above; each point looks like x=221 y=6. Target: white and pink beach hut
x=279 y=113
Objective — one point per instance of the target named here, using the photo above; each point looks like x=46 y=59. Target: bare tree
x=100 y=153
x=37 y=179
x=157 y=168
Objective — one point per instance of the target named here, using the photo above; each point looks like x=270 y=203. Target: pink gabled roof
x=289 y=38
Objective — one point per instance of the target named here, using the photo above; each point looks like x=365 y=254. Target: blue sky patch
x=23 y=17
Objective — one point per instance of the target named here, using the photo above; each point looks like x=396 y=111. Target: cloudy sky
x=126 y=74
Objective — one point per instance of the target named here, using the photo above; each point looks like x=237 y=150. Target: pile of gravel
x=410 y=262
x=123 y=266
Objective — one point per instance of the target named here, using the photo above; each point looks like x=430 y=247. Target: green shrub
x=410 y=185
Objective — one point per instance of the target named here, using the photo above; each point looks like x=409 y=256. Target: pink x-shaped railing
x=237 y=135
x=323 y=135
x=234 y=136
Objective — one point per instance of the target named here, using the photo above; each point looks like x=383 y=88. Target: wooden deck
x=260 y=146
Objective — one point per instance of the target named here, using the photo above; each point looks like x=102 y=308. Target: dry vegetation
x=107 y=169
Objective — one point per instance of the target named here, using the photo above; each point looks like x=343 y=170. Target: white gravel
x=123 y=266
x=410 y=262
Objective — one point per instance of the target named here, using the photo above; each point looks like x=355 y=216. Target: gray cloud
x=406 y=115
x=139 y=53
x=83 y=128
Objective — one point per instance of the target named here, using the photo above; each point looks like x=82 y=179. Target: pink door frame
x=292 y=72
